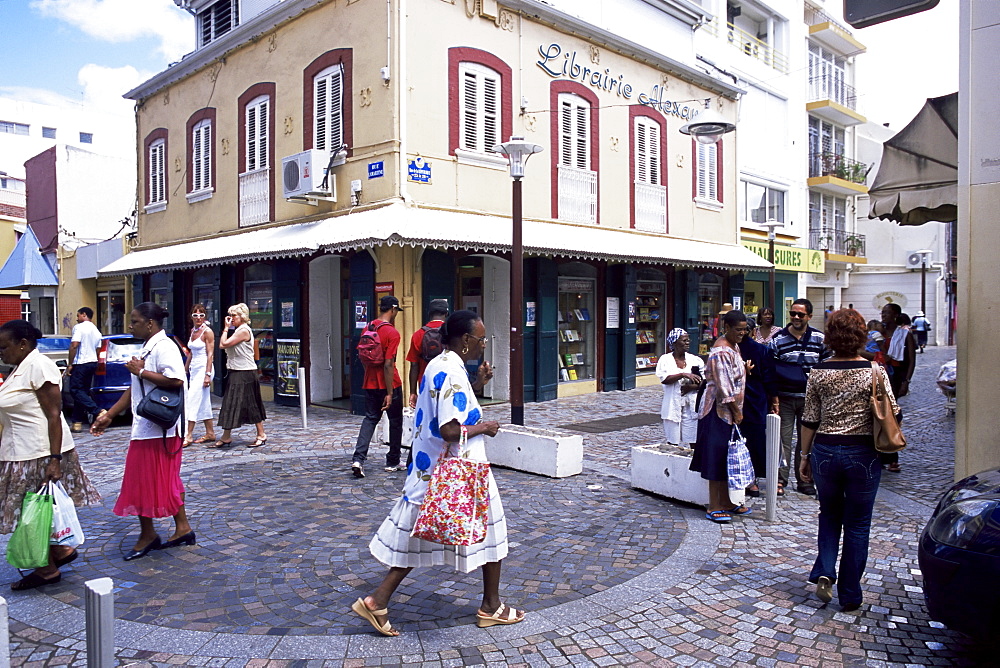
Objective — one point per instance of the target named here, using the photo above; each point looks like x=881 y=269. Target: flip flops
x=362 y=610
x=719 y=516
x=740 y=510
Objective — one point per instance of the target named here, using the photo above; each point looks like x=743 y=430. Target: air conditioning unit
x=915 y=259
x=302 y=176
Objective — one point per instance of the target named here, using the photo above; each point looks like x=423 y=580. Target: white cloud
x=104 y=86
x=127 y=20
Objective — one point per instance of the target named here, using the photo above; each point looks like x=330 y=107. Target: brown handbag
x=888 y=436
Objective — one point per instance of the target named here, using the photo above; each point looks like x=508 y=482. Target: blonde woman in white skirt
x=446 y=405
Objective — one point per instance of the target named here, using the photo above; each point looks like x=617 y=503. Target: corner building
x=630 y=227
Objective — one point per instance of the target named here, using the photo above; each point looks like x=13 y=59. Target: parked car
x=959 y=556
x=56 y=348
x=111 y=378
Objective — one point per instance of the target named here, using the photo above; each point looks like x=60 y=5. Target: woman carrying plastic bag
x=36 y=446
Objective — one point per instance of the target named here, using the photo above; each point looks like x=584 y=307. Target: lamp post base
x=517 y=415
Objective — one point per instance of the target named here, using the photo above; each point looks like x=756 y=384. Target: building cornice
x=244 y=33
x=536 y=10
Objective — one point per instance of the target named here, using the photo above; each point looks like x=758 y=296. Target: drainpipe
x=401 y=86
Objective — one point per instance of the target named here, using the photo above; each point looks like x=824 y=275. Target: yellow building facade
x=319 y=155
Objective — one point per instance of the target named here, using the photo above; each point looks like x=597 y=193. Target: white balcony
x=255 y=197
x=577 y=195
x=650 y=207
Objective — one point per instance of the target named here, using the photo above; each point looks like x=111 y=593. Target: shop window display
x=258 y=297
x=650 y=341
x=576 y=329
x=709 y=303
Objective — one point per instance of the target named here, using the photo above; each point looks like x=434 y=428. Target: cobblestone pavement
x=610 y=575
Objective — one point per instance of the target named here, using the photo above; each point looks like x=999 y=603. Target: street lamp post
x=771 y=225
x=923 y=280
x=518 y=151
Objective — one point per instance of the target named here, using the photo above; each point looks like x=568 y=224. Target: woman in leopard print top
x=838 y=452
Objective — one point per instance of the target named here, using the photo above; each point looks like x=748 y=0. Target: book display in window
x=650 y=337
x=576 y=329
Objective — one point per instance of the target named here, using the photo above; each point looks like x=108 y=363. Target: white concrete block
x=667 y=474
x=542 y=451
x=657 y=470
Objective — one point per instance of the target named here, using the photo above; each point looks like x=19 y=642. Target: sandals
x=740 y=510
x=513 y=616
x=259 y=441
x=781 y=489
x=753 y=491
x=893 y=468
x=186 y=443
x=719 y=516
x=204 y=439
x=220 y=444
x=362 y=610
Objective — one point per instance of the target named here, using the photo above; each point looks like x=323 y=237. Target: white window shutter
x=328 y=104
x=479 y=108
x=197 y=168
x=566 y=134
x=156 y=176
x=653 y=142
x=257 y=134
x=262 y=145
x=582 y=137
x=201 y=158
x=574 y=132
x=251 y=138
x=707 y=172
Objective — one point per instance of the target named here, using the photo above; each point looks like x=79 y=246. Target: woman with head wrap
x=680 y=373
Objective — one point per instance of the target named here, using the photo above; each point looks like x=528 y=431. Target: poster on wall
x=614 y=316
x=360 y=314
x=289 y=358
x=631 y=313
x=737 y=303
x=287 y=314
x=529 y=320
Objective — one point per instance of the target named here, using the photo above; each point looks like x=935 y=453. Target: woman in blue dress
x=446 y=407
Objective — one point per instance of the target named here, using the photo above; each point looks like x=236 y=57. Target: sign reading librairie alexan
x=789 y=258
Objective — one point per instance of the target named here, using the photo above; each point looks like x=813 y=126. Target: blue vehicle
x=959 y=556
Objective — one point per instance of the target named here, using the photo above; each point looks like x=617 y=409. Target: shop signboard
x=790 y=258
x=289 y=359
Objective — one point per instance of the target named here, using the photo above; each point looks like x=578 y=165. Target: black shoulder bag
x=162 y=406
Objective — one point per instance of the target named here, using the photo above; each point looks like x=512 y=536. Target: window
x=217 y=20
x=827 y=147
x=257 y=133
x=649 y=195
x=761 y=203
x=328 y=102
x=86 y=137
x=707 y=173
x=13 y=128
x=479 y=101
x=828 y=78
x=157 y=173
x=574 y=132
x=201 y=156
x=48 y=133
x=827 y=221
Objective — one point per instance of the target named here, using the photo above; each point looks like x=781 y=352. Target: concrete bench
x=663 y=470
x=546 y=452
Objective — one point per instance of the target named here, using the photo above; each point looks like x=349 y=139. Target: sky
x=93 y=51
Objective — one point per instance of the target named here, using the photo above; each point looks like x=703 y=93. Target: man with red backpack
x=377 y=352
x=425 y=345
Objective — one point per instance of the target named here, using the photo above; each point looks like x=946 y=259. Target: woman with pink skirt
x=151 y=485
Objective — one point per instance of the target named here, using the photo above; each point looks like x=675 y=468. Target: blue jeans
x=373 y=413
x=847 y=478
x=81 y=377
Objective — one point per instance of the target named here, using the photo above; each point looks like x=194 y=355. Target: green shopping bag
x=29 y=544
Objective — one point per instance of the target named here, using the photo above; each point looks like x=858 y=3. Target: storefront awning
x=401 y=225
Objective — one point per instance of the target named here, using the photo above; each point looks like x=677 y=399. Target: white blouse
x=25 y=427
x=673 y=401
x=161 y=356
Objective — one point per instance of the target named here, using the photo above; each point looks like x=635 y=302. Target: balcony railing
x=840 y=242
x=13 y=198
x=751 y=45
x=577 y=195
x=833 y=164
x=827 y=87
x=650 y=207
x=816 y=16
x=255 y=197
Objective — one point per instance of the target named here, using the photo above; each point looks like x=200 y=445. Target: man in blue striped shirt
x=797 y=348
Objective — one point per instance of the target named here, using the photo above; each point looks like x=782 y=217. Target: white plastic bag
x=66 y=529
x=409 y=418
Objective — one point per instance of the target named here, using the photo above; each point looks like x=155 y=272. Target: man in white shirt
x=82 y=365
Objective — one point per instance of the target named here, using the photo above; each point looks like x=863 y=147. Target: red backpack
x=370 y=350
x=431 y=344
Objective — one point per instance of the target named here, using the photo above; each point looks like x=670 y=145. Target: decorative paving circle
x=283 y=550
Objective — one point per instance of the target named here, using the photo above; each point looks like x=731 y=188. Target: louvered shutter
x=156 y=188
x=479 y=108
x=707 y=172
x=328 y=103
x=257 y=134
x=647 y=151
x=574 y=132
x=201 y=141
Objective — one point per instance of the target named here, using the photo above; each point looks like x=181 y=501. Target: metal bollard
x=773 y=432
x=302 y=397
x=4 y=635
x=100 y=614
